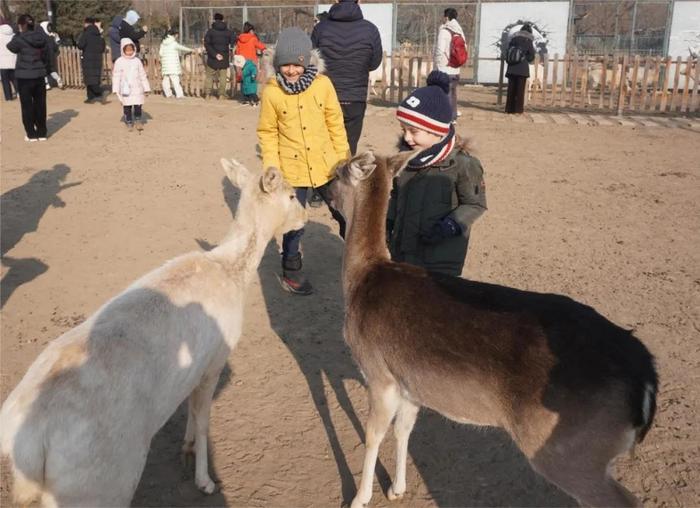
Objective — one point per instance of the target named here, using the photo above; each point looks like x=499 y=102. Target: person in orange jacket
x=248 y=43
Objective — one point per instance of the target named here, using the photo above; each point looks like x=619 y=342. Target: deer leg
x=201 y=400
x=383 y=404
x=188 y=445
x=403 y=425
x=583 y=470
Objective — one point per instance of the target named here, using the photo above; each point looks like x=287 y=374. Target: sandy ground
x=607 y=215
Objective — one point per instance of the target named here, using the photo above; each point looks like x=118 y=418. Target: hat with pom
x=429 y=107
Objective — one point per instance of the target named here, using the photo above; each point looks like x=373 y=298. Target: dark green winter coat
x=420 y=198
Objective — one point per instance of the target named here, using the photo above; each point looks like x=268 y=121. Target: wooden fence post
x=603 y=80
x=555 y=71
x=635 y=72
x=655 y=84
x=664 y=91
x=688 y=72
x=565 y=75
x=676 y=82
x=695 y=98
x=499 y=99
x=584 y=83
x=621 y=95
x=574 y=78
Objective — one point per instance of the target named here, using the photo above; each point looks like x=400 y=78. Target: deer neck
x=365 y=243
x=241 y=251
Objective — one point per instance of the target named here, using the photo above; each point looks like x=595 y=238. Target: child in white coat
x=130 y=83
x=171 y=69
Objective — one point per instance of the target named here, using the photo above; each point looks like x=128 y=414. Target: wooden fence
x=613 y=83
x=616 y=84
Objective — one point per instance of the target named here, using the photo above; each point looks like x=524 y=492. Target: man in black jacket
x=217 y=42
x=127 y=30
x=519 y=71
x=351 y=48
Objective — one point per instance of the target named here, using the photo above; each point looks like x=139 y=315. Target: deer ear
x=236 y=172
x=271 y=180
x=358 y=168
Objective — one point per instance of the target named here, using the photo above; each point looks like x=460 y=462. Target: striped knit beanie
x=429 y=107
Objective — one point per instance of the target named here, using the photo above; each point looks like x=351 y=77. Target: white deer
x=78 y=427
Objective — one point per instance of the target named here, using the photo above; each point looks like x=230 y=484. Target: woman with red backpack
x=451 y=53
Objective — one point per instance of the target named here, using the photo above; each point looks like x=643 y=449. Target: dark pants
x=454 y=83
x=32 y=96
x=8 y=82
x=129 y=116
x=93 y=92
x=353 y=116
x=291 y=240
x=515 y=102
x=252 y=98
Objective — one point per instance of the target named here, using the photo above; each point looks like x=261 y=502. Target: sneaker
x=31 y=140
x=43 y=139
x=129 y=126
x=296 y=283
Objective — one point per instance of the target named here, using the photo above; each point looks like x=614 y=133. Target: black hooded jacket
x=523 y=40
x=351 y=48
x=218 y=40
x=33 y=54
x=129 y=32
x=93 y=46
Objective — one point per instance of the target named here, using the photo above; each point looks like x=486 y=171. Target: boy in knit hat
x=441 y=192
x=301 y=132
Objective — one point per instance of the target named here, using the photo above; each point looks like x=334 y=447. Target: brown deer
x=571 y=388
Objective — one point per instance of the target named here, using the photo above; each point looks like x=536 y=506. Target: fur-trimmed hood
x=269 y=56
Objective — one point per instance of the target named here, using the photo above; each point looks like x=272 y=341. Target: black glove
x=442 y=230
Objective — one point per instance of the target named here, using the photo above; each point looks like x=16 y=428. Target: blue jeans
x=291 y=240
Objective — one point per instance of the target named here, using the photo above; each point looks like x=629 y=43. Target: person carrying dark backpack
x=451 y=53
x=519 y=53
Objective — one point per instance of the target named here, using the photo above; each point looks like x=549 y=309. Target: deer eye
x=292 y=197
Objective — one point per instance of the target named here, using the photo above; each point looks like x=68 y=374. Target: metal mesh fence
x=595 y=27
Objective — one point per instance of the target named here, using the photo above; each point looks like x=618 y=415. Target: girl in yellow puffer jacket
x=301 y=132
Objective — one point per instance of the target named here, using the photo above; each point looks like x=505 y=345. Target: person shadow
x=59 y=119
x=317 y=345
x=21 y=210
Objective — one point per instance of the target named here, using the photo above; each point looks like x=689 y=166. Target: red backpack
x=458 y=50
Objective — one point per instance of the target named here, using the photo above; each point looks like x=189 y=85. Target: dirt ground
x=607 y=215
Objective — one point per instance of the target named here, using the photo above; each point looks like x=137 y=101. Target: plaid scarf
x=301 y=84
x=436 y=153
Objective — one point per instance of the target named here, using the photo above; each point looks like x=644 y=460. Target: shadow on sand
x=21 y=210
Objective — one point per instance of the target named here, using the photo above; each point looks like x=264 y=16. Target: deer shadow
x=21 y=210
x=66 y=393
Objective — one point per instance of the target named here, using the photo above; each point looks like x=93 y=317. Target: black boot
x=293 y=278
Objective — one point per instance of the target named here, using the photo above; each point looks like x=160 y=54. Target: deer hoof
x=207 y=486
x=394 y=496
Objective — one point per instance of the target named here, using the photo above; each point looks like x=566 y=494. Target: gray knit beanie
x=293 y=47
